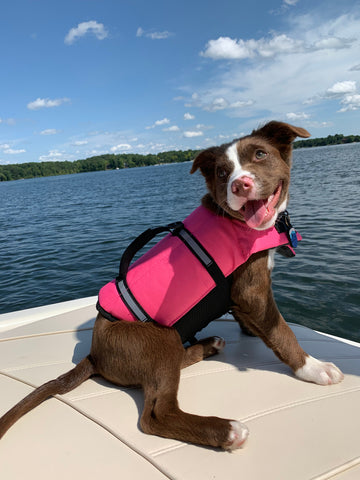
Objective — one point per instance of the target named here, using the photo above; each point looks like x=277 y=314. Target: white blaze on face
x=235 y=202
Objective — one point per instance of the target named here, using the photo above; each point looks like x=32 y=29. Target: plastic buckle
x=293 y=237
x=286 y=218
x=175 y=227
x=283 y=224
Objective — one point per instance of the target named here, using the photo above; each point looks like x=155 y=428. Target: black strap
x=140 y=242
x=177 y=229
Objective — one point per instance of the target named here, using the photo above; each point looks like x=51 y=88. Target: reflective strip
x=131 y=303
x=191 y=243
x=198 y=250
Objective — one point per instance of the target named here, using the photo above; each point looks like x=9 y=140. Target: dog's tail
x=63 y=384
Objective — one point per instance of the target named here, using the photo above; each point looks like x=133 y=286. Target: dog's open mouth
x=258 y=213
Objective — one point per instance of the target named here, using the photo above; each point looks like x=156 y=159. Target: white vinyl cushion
x=298 y=430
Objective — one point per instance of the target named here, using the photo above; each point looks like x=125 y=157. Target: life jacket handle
x=139 y=242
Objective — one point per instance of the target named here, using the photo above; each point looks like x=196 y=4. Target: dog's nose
x=242 y=185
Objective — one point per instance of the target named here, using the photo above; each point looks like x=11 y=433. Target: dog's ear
x=281 y=135
x=205 y=161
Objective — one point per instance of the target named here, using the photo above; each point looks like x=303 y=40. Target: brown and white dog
x=247 y=179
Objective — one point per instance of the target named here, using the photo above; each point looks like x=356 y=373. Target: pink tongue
x=255 y=213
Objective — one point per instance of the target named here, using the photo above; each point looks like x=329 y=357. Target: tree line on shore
x=119 y=161
x=93 y=164
x=337 y=139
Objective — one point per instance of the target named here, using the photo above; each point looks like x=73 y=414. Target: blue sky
x=85 y=77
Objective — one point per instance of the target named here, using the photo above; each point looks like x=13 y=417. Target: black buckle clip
x=175 y=227
x=283 y=225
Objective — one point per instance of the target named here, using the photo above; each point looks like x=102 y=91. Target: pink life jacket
x=171 y=284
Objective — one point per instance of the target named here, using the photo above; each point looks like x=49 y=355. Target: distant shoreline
x=337 y=139
x=18 y=171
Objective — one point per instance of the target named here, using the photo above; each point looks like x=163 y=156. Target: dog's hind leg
x=202 y=349
x=152 y=356
x=162 y=416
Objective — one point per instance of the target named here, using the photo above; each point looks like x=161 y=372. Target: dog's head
x=249 y=178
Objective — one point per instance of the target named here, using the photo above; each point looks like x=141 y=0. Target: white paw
x=322 y=373
x=237 y=436
x=219 y=344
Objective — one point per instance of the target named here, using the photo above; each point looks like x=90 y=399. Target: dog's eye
x=221 y=172
x=260 y=154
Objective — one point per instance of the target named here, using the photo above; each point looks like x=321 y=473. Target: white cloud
x=173 y=128
x=345 y=91
x=11 y=151
x=297 y=116
x=315 y=124
x=121 y=147
x=350 y=102
x=218 y=103
x=52 y=156
x=5 y=147
x=241 y=104
x=49 y=131
x=164 y=121
x=159 y=35
x=158 y=123
x=278 y=44
x=290 y=2
x=226 y=48
x=201 y=126
x=8 y=121
x=332 y=43
x=191 y=134
x=46 y=103
x=153 y=35
x=341 y=88
x=84 y=28
x=156 y=146
x=231 y=136
x=79 y=143
x=188 y=116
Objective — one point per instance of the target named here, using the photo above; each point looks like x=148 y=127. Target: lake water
x=61 y=238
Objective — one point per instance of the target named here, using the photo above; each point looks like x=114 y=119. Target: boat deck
x=298 y=430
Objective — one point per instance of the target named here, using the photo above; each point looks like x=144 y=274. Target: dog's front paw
x=219 y=344
x=322 y=373
x=238 y=435
x=212 y=345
